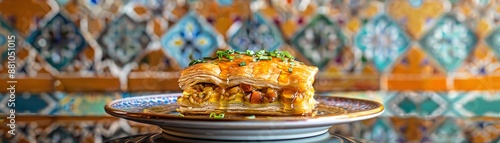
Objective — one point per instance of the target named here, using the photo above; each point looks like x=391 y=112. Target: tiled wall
x=435 y=64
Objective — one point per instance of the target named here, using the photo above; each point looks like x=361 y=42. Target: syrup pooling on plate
x=320 y=110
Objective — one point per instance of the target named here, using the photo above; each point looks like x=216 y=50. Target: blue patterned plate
x=160 y=110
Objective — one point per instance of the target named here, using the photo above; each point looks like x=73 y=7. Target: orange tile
x=477 y=83
x=77 y=83
x=415 y=82
x=40 y=83
x=25 y=13
x=335 y=82
x=416 y=16
x=148 y=81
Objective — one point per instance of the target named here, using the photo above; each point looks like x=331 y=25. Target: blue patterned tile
x=449 y=42
x=62 y=3
x=124 y=39
x=83 y=103
x=421 y=104
x=225 y=2
x=382 y=41
x=191 y=38
x=416 y=3
x=256 y=33
x=493 y=41
x=59 y=41
x=96 y=8
x=478 y=104
x=5 y=33
x=448 y=131
x=26 y=103
x=381 y=131
x=319 y=41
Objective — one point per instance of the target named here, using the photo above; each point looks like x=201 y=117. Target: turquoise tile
x=59 y=41
x=382 y=41
x=7 y=36
x=319 y=41
x=448 y=131
x=123 y=40
x=255 y=33
x=26 y=103
x=449 y=42
x=493 y=40
x=191 y=38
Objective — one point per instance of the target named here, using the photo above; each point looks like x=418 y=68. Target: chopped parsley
x=243 y=64
x=261 y=52
x=230 y=55
x=214 y=115
x=250 y=53
x=265 y=58
x=250 y=117
x=290 y=69
x=194 y=62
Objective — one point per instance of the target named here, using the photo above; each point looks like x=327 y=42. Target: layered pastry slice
x=250 y=82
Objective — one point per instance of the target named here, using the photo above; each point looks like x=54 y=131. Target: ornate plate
x=160 y=110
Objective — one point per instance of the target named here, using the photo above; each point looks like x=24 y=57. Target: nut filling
x=202 y=92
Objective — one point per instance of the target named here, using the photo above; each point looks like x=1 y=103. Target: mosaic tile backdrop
x=435 y=64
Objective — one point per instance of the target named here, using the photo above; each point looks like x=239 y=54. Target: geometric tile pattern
x=191 y=38
x=382 y=41
x=6 y=33
x=321 y=40
x=59 y=103
x=124 y=39
x=93 y=129
x=433 y=104
x=58 y=42
x=449 y=42
x=493 y=41
x=255 y=34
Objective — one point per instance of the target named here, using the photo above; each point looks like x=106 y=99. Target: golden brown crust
x=291 y=80
x=266 y=73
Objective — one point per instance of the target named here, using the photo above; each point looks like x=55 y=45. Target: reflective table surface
x=162 y=137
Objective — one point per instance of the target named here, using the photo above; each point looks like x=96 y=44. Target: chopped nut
x=206 y=97
x=255 y=97
x=271 y=94
x=246 y=87
x=234 y=90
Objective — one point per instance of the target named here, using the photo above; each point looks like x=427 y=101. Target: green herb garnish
x=288 y=55
x=220 y=54
x=243 y=64
x=290 y=69
x=230 y=57
x=250 y=117
x=250 y=53
x=265 y=58
x=214 y=115
x=292 y=63
x=194 y=62
x=181 y=115
x=273 y=54
x=229 y=51
x=261 y=52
